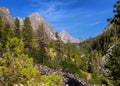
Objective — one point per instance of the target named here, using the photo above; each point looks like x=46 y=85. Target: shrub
x=69 y=67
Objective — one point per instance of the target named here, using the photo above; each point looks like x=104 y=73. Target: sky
x=80 y=18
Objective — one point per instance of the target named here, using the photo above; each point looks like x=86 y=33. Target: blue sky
x=80 y=18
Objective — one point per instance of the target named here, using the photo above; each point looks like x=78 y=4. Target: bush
x=51 y=80
x=82 y=74
x=69 y=67
x=95 y=79
x=99 y=80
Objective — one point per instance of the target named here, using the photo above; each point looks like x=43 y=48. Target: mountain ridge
x=36 y=19
x=65 y=37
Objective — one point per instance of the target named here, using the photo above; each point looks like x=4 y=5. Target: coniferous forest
x=22 y=50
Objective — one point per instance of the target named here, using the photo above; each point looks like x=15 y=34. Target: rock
x=65 y=37
x=6 y=16
x=68 y=79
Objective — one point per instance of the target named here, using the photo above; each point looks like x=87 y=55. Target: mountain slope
x=5 y=14
x=36 y=19
x=65 y=37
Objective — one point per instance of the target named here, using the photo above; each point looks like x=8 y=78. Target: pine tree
x=114 y=60
x=59 y=51
x=69 y=50
x=94 y=62
x=42 y=40
x=27 y=34
x=17 y=28
x=58 y=44
x=7 y=33
x=16 y=68
x=113 y=64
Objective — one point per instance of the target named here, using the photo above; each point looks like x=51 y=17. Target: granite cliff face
x=65 y=37
x=5 y=14
x=36 y=19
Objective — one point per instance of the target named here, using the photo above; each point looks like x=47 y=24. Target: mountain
x=5 y=14
x=65 y=37
x=36 y=19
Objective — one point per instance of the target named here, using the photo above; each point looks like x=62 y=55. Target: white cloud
x=94 y=23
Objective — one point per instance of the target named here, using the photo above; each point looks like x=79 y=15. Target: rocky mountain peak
x=5 y=14
x=64 y=32
x=36 y=19
x=5 y=10
x=36 y=16
x=65 y=37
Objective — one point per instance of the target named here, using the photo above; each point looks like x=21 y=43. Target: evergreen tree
x=69 y=50
x=113 y=64
x=17 y=28
x=16 y=68
x=59 y=50
x=42 y=42
x=94 y=62
x=7 y=33
x=27 y=34
x=114 y=60
x=58 y=44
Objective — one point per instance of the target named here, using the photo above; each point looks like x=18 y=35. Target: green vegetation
x=16 y=67
x=19 y=49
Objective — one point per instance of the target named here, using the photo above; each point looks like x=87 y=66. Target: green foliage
x=17 y=28
x=112 y=64
x=84 y=63
x=42 y=41
x=100 y=80
x=95 y=79
x=82 y=74
x=15 y=46
x=27 y=34
x=114 y=60
x=16 y=68
x=6 y=34
x=51 y=80
x=69 y=67
x=94 y=62
x=102 y=42
x=17 y=23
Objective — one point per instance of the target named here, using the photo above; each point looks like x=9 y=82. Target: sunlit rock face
x=5 y=14
x=65 y=37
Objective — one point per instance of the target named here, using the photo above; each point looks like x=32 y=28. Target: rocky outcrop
x=5 y=14
x=68 y=79
x=36 y=19
x=65 y=37
x=103 y=70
